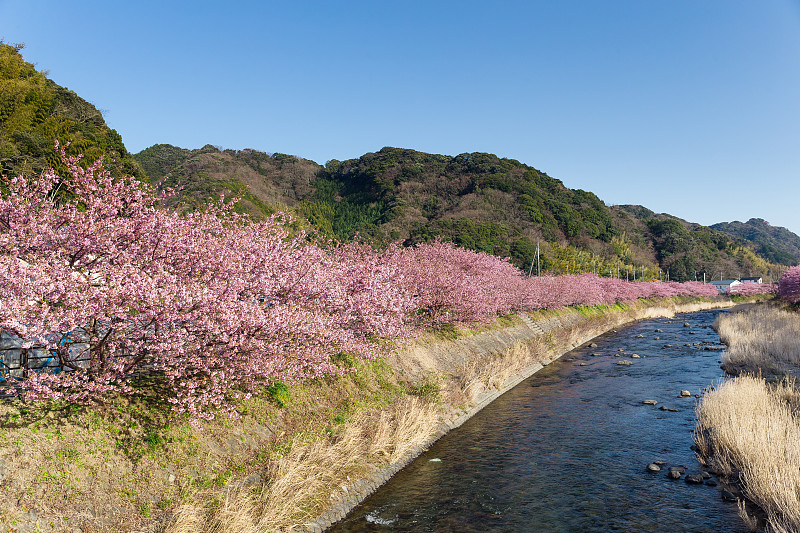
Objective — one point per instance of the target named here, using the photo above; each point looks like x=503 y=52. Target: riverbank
x=301 y=455
x=748 y=429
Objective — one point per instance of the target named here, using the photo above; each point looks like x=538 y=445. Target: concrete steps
x=531 y=324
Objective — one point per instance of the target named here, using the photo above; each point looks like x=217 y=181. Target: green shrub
x=279 y=393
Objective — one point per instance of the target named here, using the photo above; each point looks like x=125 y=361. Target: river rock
x=656 y=338
x=667 y=346
x=659 y=331
x=672 y=410
x=694 y=479
x=581 y=364
x=728 y=496
x=624 y=362
x=705 y=475
x=687 y=325
x=711 y=483
x=663 y=408
x=652 y=467
x=674 y=474
x=679 y=469
x=650 y=402
x=635 y=356
x=640 y=336
x=660 y=463
x=685 y=394
x=593 y=345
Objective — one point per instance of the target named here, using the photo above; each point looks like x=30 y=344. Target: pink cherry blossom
x=219 y=304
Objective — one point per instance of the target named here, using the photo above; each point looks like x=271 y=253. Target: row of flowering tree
x=752 y=289
x=219 y=304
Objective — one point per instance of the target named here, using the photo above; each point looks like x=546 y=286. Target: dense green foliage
x=478 y=201
x=775 y=244
x=398 y=180
x=35 y=112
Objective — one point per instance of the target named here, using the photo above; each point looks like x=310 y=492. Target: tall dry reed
x=764 y=339
x=749 y=427
x=313 y=474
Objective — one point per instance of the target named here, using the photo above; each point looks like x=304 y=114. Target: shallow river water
x=567 y=449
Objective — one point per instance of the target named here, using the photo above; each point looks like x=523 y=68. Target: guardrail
x=18 y=362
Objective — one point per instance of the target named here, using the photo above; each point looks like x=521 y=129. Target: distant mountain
x=774 y=243
x=477 y=200
x=35 y=112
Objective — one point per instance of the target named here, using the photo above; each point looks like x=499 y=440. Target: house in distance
x=724 y=285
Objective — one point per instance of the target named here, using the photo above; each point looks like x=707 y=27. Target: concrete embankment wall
x=476 y=370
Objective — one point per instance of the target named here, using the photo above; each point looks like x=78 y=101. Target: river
x=567 y=449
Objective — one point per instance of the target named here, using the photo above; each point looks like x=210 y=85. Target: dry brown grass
x=760 y=339
x=492 y=371
x=313 y=474
x=749 y=427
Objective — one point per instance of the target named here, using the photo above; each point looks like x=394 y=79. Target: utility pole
x=538 y=261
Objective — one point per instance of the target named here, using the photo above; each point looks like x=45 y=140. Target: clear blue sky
x=690 y=107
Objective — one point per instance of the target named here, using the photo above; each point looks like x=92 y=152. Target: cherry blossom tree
x=218 y=304
x=752 y=289
x=789 y=285
x=214 y=302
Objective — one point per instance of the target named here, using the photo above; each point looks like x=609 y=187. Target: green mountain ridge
x=477 y=200
x=774 y=243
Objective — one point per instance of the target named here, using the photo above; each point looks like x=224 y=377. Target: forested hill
x=264 y=183
x=35 y=112
x=477 y=200
x=775 y=243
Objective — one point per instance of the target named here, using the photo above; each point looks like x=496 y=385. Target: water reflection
x=567 y=449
